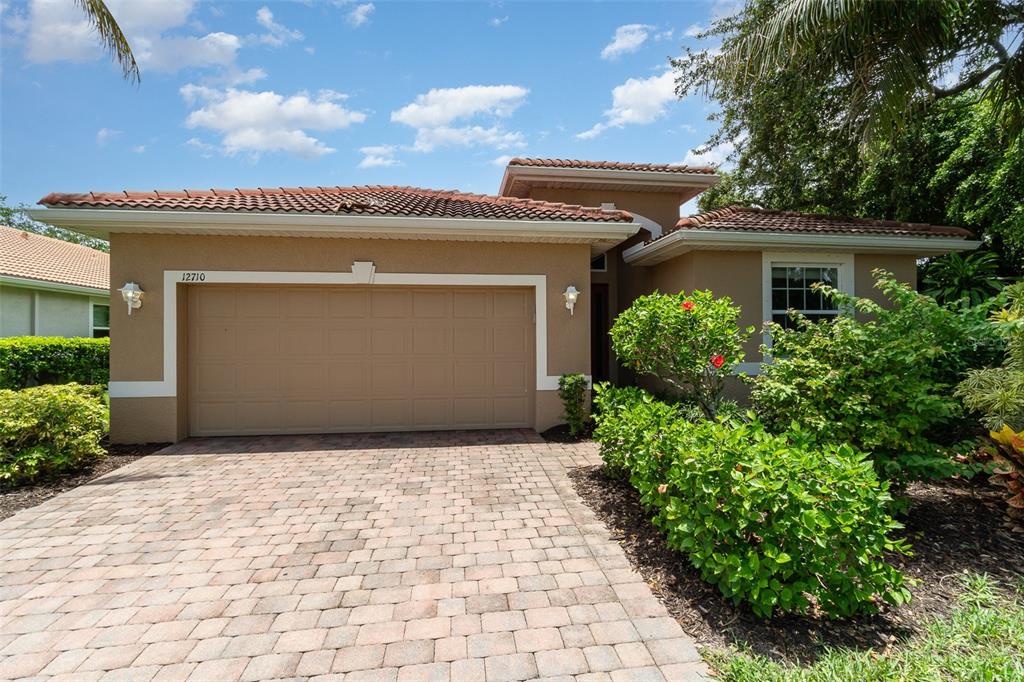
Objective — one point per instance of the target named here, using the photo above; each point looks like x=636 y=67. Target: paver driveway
x=463 y=556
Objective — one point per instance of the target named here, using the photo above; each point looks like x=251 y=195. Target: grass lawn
x=981 y=639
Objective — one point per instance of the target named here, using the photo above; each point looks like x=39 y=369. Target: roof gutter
x=29 y=283
x=669 y=180
x=686 y=240
x=104 y=222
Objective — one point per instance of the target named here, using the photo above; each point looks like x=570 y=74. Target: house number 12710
x=193 y=277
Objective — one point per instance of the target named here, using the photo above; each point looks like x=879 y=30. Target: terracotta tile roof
x=612 y=165
x=371 y=200
x=743 y=219
x=32 y=256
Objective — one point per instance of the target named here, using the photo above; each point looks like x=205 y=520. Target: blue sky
x=248 y=94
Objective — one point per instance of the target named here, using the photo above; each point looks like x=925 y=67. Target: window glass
x=600 y=263
x=100 y=321
x=791 y=289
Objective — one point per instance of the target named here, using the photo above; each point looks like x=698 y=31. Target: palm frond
x=113 y=39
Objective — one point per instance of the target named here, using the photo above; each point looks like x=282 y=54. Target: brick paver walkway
x=463 y=556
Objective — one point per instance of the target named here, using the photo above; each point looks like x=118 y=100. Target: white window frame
x=605 y=268
x=92 y=318
x=843 y=262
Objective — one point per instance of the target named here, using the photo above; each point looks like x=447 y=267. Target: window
x=787 y=282
x=600 y=264
x=792 y=289
x=100 y=321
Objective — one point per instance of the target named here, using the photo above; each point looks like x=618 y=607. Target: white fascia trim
x=53 y=286
x=167 y=387
x=667 y=179
x=106 y=221
x=685 y=240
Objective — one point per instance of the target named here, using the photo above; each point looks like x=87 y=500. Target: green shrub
x=32 y=360
x=777 y=521
x=572 y=389
x=49 y=430
x=689 y=342
x=876 y=384
x=997 y=393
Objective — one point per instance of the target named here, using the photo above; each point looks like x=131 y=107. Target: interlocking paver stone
x=462 y=555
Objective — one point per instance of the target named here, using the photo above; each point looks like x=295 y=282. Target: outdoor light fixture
x=571 y=295
x=132 y=295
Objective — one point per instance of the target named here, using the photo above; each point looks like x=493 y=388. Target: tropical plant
x=954 y=276
x=572 y=389
x=997 y=393
x=779 y=522
x=875 y=383
x=1007 y=455
x=113 y=39
x=689 y=342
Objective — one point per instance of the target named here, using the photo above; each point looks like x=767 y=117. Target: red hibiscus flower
x=688 y=306
x=718 y=361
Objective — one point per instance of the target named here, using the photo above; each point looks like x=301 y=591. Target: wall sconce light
x=571 y=295
x=132 y=295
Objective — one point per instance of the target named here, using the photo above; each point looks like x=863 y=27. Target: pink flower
x=718 y=361
x=688 y=306
x=663 y=488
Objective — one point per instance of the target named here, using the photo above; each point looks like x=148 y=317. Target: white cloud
x=497 y=21
x=104 y=135
x=636 y=102
x=257 y=122
x=360 y=14
x=379 y=156
x=433 y=113
x=277 y=34
x=693 y=30
x=428 y=139
x=59 y=31
x=206 y=150
x=442 y=106
x=627 y=38
x=502 y=160
x=139 y=149
x=715 y=156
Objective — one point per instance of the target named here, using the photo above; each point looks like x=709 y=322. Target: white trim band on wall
x=362 y=273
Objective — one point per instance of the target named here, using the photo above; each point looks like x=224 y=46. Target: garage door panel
x=348 y=303
x=312 y=359
x=391 y=304
x=511 y=411
x=347 y=341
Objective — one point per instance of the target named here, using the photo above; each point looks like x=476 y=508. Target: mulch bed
x=954 y=526
x=560 y=434
x=15 y=500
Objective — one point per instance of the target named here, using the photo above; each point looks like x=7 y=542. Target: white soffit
x=686 y=240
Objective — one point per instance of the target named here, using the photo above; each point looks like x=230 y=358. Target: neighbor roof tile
x=370 y=200
x=31 y=256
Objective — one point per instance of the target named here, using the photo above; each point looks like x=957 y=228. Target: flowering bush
x=689 y=342
x=776 y=521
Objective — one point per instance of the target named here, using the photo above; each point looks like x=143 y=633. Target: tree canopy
x=15 y=216
x=836 y=129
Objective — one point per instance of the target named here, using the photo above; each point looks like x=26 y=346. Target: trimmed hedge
x=35 y=360
x=775 y=521
x=49 y=430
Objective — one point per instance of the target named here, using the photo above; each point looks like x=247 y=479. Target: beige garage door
x=310 y=359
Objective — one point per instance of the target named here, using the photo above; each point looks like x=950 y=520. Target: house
x=50 y=287
x=320 y=309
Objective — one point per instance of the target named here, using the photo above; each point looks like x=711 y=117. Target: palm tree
x=894 y=56
x=111 y=36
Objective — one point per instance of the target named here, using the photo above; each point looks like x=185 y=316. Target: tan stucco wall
x=136 y=342
x=903 y=267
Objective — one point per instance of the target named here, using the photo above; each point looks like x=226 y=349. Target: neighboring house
x=320 y=309
x=50 y=287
